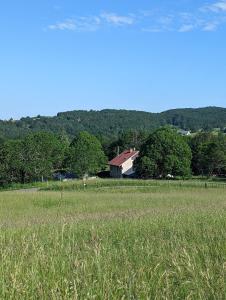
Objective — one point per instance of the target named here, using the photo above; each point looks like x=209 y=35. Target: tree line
x=39 y=155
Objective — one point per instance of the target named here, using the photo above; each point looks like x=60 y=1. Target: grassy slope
x=161 y=243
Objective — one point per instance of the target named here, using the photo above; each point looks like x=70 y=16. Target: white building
x=123 y=164
x=184 y=132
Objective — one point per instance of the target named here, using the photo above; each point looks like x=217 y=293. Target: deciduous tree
x=164 y=152
x=86 y=155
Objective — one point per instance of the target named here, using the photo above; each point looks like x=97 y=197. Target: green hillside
x=110 y=123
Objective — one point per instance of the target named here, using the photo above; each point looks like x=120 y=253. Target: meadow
x=121 y=240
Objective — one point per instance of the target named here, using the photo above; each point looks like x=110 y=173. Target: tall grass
x=80 y=185
x=165 y=244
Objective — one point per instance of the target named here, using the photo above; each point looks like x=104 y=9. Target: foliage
x=195 y=119
x=165 y=152
x=209 y=154
x=213 y=158
x=145 y=167
x=32 y=158
x=11 y=161
x=42 y=153
x=112 y=123
x=127 y=140
x=85 y=155
x=39 y=154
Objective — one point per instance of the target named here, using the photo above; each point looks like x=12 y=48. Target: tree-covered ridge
x=110 y=123
x=206 y=118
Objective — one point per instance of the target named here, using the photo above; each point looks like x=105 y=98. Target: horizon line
x=110 y=109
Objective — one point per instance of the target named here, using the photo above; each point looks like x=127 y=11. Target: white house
x=123 y=164
x=184 y=132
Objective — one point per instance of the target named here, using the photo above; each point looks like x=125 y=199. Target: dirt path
x=30 y=190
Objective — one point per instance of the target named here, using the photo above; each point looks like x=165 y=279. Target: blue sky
x=58 y=55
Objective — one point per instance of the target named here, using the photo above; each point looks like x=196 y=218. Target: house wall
x=127 y=167
x=115 y=172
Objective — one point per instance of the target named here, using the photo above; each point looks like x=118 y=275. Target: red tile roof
x=123 y=157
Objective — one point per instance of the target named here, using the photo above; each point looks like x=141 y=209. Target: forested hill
x=110 y=123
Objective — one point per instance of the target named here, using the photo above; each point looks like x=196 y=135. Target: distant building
x=123 y=164
x=184 y=132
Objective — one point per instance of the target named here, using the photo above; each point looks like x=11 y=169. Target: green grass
x=115 y=243
x=18 y=186
x=129 y=184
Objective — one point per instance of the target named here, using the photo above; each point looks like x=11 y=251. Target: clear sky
x=58 y=55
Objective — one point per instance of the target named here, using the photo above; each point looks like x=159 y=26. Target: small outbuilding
x=123 y=164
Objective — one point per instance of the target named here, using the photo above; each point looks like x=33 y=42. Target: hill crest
x=111 y=122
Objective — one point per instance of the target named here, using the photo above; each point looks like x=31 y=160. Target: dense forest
x=111 y=123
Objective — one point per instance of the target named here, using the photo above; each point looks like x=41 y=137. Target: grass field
x=151 y=242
